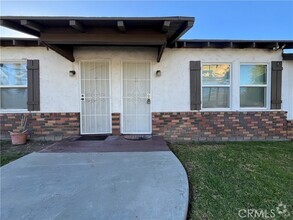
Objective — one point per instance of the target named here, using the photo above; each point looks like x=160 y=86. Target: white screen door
x=95 y=97
x=136 y=98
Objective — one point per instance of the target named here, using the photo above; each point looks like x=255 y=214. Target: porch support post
x=66 y=52
x=160 y=52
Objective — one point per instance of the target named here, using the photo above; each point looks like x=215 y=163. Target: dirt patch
x=30 y=146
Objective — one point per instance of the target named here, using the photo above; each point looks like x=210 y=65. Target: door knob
x=148 y=98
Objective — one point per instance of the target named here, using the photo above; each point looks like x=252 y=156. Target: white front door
x=95 y=97
x=136 y=118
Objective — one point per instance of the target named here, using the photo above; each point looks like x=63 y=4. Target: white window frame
x=13 y=86
x=267 y=86
x=222 y=86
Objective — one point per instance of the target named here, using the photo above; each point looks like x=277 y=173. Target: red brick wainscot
x=42 y=126
x=290 y=129
x=221 y=126
x=116 y=123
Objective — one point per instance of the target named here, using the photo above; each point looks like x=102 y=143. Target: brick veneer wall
x=116 y=123
x=45 y=126
x=290 y=130
x=174 y=126
x=221 y=126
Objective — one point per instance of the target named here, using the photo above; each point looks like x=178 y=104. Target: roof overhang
x=20 y=42
x=260 y=44
x=287 y=56
x=62 y=34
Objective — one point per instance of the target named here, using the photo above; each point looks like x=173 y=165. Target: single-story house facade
x=89 y=75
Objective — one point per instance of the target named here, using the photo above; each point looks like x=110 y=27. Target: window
x=253 y=86
x=13 y=85
x=216 y=79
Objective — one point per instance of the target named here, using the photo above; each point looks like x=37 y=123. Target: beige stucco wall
x=175 y=68
x=59 y=92
x=170 y=91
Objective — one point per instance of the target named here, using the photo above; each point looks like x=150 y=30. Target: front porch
x=110 y=144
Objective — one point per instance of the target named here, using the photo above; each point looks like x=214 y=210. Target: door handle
x=148 y=101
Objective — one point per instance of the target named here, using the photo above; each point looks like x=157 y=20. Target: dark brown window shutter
x=33 y=76
x=276 y=85
x=195 y=85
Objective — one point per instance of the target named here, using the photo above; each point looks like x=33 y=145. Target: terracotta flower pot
x=18 y=138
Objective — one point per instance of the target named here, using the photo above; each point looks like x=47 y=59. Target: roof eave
x=143 y=31
x=259 y=44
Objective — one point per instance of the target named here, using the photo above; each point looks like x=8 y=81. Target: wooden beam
x=40 y=42
x=287 y=56
x=31 y=25
x=246 y=45
x=166 y=26
x=121 y=26
x=276 y=47
x=133 y=38
x=76 y=25
x=161 y=51
x=18 y=43
x=18 y=27
x=66 y=52
x=182 y=30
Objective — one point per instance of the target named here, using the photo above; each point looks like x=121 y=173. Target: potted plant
x=19 y=136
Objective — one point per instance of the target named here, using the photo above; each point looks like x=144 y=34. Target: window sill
x=14 y=111
x=254 y=109
x=216 y=110
x=241 y=110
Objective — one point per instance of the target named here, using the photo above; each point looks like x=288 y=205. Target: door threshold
x=92 y=137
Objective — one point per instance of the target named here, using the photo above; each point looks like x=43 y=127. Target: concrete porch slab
x=113 y=185
x=110 y=144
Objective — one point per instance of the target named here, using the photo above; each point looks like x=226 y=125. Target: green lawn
x=5 y=159
x=227 y=177
x=11 y=152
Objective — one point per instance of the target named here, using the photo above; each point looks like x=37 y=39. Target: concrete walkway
x=95 y=185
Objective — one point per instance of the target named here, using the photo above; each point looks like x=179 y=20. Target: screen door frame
x=110 y=94
x=122 y=95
